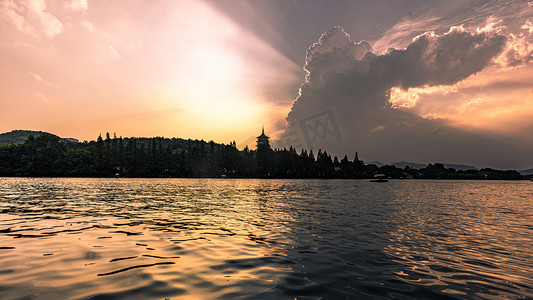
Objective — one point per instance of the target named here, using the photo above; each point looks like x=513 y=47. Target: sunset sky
x=460 y=73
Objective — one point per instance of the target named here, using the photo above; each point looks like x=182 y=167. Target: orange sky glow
x=188 y=69
x=176 y=69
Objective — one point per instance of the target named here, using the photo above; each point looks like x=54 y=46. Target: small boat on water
x=379 y=178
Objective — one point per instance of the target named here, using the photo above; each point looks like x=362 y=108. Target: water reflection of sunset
x=448 y=244
x=194 y=237
x=215 y=238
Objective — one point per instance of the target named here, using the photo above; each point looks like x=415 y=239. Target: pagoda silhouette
x=262 y=140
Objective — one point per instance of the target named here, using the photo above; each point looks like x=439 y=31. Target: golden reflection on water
x=213 y=238
x=196 y=237
x=449 y=244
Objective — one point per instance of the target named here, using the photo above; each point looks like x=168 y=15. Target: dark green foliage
x=17 y=136
x=438 y=171
x=48 y=155
x=392 y=171
x=20 y=136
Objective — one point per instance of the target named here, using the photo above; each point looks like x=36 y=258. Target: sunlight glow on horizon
x=176 y=69
x=475 y=103
x=186 y=69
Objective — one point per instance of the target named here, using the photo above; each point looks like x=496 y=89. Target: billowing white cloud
x=31 y=16
x=359 y=93
x=80 y=5
x=432 y=59
x=88 y=26
x=519 y=48
x=528 y=25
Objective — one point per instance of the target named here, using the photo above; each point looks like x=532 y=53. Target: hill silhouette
x=402 y=164
x=44 y=154
x=20 y=136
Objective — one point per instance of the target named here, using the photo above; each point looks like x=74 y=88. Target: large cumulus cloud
x=344 y=103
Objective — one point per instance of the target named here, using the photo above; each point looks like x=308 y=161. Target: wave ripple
x=270 y=239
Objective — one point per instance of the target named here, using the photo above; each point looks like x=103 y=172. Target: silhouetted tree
x=47 y=155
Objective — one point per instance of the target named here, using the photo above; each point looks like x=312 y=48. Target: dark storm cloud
x=349 y=86
x=353 y=92
x=436 y=60
x=339 y=68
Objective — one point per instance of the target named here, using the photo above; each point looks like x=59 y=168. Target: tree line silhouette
x=48 y=155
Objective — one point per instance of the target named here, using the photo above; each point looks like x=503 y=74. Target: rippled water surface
x=278 y=239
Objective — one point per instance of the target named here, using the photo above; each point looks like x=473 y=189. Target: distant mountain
x=19 y=136
x=402 y=164
x=460 y=167
x=526 y=172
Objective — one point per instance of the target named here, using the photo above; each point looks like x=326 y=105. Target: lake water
x=268 y=239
